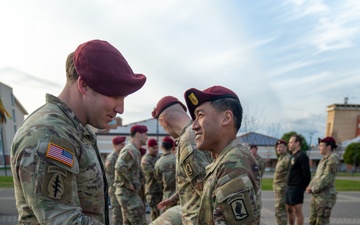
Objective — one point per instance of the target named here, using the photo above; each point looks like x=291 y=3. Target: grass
x=340 y=185
x=6 y=182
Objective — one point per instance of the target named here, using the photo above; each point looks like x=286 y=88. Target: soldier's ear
x=227 y=117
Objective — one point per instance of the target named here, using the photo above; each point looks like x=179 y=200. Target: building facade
x=8 y=129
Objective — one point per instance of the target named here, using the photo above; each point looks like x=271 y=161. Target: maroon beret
x=152 y=142
x=164 y=103
x=142 y=151
x=195 y=97
x=105 y=70
x=168 y=140
x=281 y=142
x=118 y=140
x=138 y=128
x=327 y=140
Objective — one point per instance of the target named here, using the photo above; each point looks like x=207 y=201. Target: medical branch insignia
x=193 y=99
x=189 y=169
x=56 y=186
x=60 y=154
x=238 y=208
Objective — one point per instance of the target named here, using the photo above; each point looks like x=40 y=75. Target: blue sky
x=287 y=60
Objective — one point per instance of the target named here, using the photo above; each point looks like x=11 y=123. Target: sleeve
x=147 y=168
x=49 y=187
x=236 y=200
x=305 y=167
x=122 y=166
x=158 y=174
x=328 y=177
x=194 y=162
x=109 y=168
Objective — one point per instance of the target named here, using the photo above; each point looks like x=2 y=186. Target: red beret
x=327 y=140
x=164 y=103
x=138 y=128
x=142 y=151
x=105 y=70
x=118 y=140
x=281 y=142
x=168 y=140
x=195 y=97
x=152 y=142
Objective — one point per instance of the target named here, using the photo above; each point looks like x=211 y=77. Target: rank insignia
x=193 y=99
x=238 y=208
x=60 y=154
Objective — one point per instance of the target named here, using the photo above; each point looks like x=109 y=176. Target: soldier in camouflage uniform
x=232 y=189
x=190 y=162
x=165 y=168
x=260 y=161
x=128 y=179
x=322 y=185
x=279 y=183
x=153 y=190
x=59 y=176
x=118 y=144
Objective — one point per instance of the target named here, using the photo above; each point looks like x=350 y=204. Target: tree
x=352 y=155
x=251 y=121
x=286 y=137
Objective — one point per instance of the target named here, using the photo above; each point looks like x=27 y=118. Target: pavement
x=345 y=211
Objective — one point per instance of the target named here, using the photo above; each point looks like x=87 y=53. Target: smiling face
x=207 y=126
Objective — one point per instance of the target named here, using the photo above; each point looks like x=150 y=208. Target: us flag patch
x=60 y=154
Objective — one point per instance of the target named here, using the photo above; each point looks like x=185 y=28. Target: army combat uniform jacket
x=281 y=170
x=232 y=190
x=261 y=164
x=58 y=173
x=165 y=174
x=190 y=173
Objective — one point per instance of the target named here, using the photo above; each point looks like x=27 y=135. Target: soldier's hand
x=308 y=190
x=131 y=187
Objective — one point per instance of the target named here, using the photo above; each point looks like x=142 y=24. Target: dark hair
x=232 y=104
x=167 y=146
x=332 y=144
x=71 y=73
x=253 y=146
x=298 y=138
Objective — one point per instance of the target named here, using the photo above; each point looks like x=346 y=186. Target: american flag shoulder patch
x=60 y=154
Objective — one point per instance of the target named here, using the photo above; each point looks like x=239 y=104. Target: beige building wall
x=342 y=121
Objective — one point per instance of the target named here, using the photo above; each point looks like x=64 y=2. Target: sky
x=286 y=59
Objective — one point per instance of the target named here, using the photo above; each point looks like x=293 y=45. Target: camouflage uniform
x=261 y=163
x=323 y=190
x=165 y=174
x=110 y=174
x=190 y=173
x=127 y=171
x=58 y=173
x=171 y=216
x=153 y=190
x=279 y=186
x=232 y=190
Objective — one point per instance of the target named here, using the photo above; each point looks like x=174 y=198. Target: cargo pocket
x=238 y=201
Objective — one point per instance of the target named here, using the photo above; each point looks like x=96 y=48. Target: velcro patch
x=60 y=154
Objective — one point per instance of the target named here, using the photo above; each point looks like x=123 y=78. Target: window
x=13 y=115
x=12 y=100
x=15 y=129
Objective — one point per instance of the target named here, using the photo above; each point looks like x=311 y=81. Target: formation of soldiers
x=205 y=175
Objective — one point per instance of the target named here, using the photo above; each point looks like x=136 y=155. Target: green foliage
x=352 y=151
x=286 y=137
x=6 y=182
x=340 y=185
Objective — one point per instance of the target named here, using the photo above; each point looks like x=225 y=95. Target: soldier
x=322 y=185
x=260 y=161
x=59 y=176
x=165 y=168
x=153 y=190
x=118 y=144
x=190 y=162
x=298 y=179
x=128 y=178
x=279 y=184
x=232 y=189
